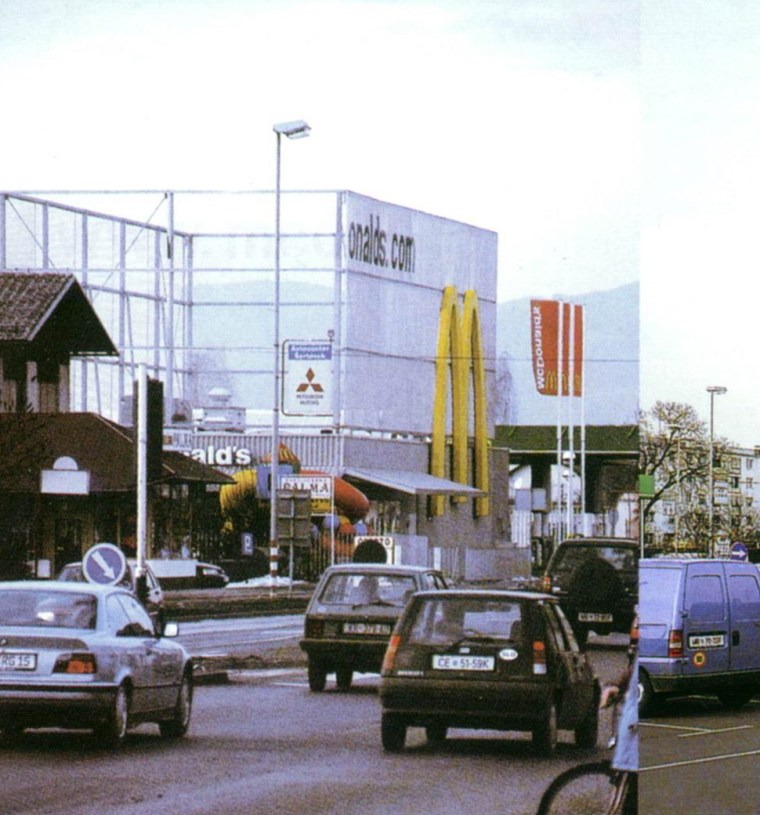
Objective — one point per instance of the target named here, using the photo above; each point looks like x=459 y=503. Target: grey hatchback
x=487 y=659
x=351 y=615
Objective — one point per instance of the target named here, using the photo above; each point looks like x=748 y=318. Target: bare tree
x=675 y=449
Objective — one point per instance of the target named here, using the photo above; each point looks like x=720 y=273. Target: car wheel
x=587 y=732
x=177 y=726
x=317 y=676
x=735 y=698
x=646 y=693
x=436 y=733
x=393 y=732
x=113 y=732
x=545 y=735
x=343 y=677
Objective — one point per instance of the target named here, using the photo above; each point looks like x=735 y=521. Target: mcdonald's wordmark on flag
x=556 y=329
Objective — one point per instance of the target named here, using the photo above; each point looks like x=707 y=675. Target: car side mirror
x=170 y=630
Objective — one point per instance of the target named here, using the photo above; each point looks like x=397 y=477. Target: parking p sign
x=104 y=563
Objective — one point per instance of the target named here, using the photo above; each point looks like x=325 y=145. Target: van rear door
x=744 y=594
x=660 y=593
x=706 y=632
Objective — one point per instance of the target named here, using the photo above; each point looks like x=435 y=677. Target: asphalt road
x=264 y=743
x=698 y=759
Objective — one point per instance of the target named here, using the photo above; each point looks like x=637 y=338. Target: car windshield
x=72 y=573
x=47 y=609
x=450 y=620
x=358 y=589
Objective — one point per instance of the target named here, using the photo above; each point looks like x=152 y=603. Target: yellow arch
x=460 y=352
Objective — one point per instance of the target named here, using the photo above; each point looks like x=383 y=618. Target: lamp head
x=717 y=389
x=293 y=130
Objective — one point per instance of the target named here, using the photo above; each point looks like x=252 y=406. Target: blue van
x=699 y=629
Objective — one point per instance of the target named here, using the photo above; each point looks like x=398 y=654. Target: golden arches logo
x=459 y=356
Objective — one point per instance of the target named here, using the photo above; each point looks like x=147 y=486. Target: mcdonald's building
x=385 y=372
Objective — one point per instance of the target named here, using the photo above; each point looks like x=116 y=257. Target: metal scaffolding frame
x=142 y=275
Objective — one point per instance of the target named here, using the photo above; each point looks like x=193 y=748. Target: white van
x=699 y=629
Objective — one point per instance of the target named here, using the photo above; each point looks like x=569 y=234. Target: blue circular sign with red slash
x=104 y=563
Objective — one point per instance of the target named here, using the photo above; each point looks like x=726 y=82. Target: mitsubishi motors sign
x=307 y=378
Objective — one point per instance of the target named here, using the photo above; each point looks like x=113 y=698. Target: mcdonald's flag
x=546 y=317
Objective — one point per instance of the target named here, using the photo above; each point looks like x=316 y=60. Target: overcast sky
x=604 y=140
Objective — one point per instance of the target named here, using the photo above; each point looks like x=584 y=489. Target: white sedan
x=81 y=656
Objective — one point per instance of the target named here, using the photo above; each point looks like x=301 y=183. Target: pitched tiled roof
x=47 y=307
x=31 y=442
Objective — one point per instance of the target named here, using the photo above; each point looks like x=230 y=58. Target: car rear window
x=46 y=609
x=568 y=558
x=441 y=620
x=658 y=592
x=357 y=589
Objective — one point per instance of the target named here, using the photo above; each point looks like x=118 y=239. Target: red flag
x=544 y=323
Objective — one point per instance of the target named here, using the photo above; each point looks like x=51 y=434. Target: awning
x=411 y=482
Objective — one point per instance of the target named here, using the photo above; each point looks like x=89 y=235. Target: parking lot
x=699 y=759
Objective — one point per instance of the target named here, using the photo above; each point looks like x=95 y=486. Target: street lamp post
x=713 y=390
x=293 y=130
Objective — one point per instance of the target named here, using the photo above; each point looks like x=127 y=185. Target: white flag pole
x=571 y=422
x=583 y=419
x=558 y=525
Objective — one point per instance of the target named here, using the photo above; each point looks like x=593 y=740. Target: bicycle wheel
x=588 y=789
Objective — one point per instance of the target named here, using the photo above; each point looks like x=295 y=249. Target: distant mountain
x=612 y=361
x=242 y=330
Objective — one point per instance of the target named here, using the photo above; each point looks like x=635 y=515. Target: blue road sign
x=104 y=563
x=739 y=551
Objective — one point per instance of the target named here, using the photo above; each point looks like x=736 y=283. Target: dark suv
x=596 y=581
x=487 y=659
x=351 y=614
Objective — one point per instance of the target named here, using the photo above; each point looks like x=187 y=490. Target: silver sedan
x=87 y=656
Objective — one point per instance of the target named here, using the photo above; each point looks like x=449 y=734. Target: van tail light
x=539 y=657
x=389 y=660
x=547 y=584
x=75 y=664
x=675 y=644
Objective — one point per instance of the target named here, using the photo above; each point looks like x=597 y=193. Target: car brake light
x=75 y=664
x=315 y=628
x=675 y=644
x=389 y=659
x=539 y=657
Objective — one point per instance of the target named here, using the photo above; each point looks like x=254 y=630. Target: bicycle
x=594 y=788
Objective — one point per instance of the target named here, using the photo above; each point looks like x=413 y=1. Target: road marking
x=675 y=727
x=699 y=761
x=696 y=731
x=719 y=730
